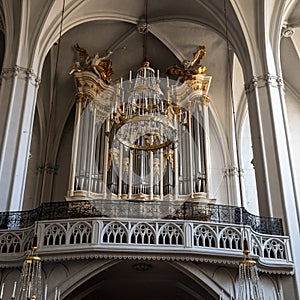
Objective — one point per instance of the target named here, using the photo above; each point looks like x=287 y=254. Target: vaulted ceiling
x=177 y=28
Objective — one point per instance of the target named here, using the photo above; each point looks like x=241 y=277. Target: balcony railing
x=141 y=210
x=152 y=239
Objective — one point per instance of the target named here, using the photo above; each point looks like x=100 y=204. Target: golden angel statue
x=198 y=55
x=100 y=65
x=189 y=67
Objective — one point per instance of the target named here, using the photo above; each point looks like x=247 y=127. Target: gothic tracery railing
x=183 y=237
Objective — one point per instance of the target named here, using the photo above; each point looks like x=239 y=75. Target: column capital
x=232 y=171
x=22 y=73
x=264 y=80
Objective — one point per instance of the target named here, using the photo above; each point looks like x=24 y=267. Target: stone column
x=272 y=160
x=268 y=121
x=269 y=138
x=18 y=93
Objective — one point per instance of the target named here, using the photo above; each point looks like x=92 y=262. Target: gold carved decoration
x=113 y=154
x=156 y=166
x=125 y=165
x=192 y=74
x=92 y=78
x=99 y=65
x=206 y=99
x=169 y=155
x=89 y=88
x=189 y=68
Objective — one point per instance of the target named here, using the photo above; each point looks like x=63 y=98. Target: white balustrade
x=185 y=238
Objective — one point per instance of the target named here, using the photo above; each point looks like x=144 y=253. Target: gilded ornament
x=156 y=166
x=189 y=68
x=99 y=65
x=169 y=155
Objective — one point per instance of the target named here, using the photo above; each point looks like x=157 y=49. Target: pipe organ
x=103 y=167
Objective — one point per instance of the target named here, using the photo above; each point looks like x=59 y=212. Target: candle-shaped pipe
x=2 y=291
x=45 y=293
x=157 y=75
x=130 y=76
x=29 y=291
x=14 y=290
x=55 y=296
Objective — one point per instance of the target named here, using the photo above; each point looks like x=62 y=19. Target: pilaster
x=18 y=92
x=263 y=93
x=272 y=161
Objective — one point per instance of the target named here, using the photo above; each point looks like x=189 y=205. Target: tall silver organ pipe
x=199 y=150
x=104 y=165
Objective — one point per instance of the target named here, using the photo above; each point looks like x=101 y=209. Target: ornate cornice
x=263 y=81
x=192 y=90
x=204 y=258
x=122 y=254
x=93 y=89
x=22 y=73
x=139 y=256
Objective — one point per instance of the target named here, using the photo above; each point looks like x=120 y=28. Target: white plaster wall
x=249 y=183
x=32 y=171
x=218 y=179
x=245 y=149
x=61 y=177
x=293 y=112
